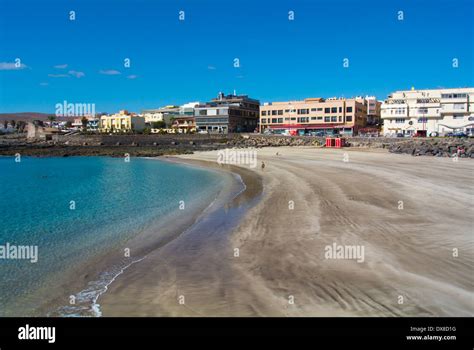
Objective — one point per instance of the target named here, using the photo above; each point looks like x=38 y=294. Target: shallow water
x=75 y=209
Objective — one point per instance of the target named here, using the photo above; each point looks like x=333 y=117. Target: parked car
x=267 y=132
x=460 y=134
x=400 y=135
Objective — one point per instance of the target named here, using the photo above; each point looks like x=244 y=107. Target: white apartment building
x=428 y=112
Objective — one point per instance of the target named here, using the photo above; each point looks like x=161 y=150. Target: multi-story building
x=228 y=113
x=92 y=123
x=164 y=114
x=373 y=110
x=429 y=112
x=168 y=113
x=184 y=124
x=329 y=116
x=121 y=122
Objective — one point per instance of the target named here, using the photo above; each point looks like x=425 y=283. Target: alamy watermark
x=345 y=252
x=237 y=157
x=66 y=109
x=19 y=252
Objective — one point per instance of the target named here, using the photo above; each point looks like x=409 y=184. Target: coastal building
x=429 y=112
x=228 y=113
x=164 y=114
x=122 y=122
x=326 y=116
x=168 y=113
x=92 y=124
x=374 y=111
x=184 y=124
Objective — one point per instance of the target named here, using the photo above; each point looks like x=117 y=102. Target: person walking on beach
x=263 y=165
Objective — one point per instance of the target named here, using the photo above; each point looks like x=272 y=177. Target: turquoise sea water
x=114 y=201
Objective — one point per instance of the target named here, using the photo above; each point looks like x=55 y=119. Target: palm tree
x=51 y=119
x=84 y=122
x=5 y=124
x=13 y=123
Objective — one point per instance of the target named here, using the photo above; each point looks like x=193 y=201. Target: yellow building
x=121 y=122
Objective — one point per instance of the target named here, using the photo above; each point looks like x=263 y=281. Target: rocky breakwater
x=259 y=141
x=439 y=147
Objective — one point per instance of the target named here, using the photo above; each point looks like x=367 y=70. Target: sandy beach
x=412 y=215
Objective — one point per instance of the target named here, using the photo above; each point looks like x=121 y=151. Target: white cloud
x=76 y=73
x=132 y=76
x=211 y=68
x=44 y=84
x=59 y=76
x=61 y=66
x=11 y=66
x=110 y=72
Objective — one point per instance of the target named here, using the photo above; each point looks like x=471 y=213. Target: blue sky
x=174 y=62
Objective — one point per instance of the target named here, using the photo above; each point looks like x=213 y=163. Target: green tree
x=84 y=122
x=51 y=118
x=158 y=125
x=21 y=126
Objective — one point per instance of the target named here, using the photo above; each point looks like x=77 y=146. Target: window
x=274 y=112
x=422 y=120
x=326 y=119
x=274 y=120
x=349 y=118
x=327 y=110
x=458 y=116
x=399 y=120
x=340 y=119
x=313 y=109
x=320 y=118
x=280 y=112
x=319 y=109
x=264 y=121
x=400 y=110
x=303 y=111
x=280 y=120
x=458 y=106
x=340 y=109
x=293 y=118
x=264 y=112
x=333 y=109
x=287 y=111
x=333 y=119
x=453 y=95
x=313 y=118
x=303 y=119
x=422 y=110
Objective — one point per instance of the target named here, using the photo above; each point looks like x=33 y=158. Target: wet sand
x=408 y=269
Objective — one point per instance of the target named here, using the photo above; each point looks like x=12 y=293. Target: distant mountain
x=27 y=116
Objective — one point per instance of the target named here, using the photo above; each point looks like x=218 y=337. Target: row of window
x=332 y=119
x=420 y=120
x=308 y=110
x=453 y=95
x=424 y=110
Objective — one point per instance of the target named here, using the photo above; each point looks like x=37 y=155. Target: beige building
x=326 y=116
x=429 y=112
x=121 y=122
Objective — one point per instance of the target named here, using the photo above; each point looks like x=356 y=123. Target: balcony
x=451 y=108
